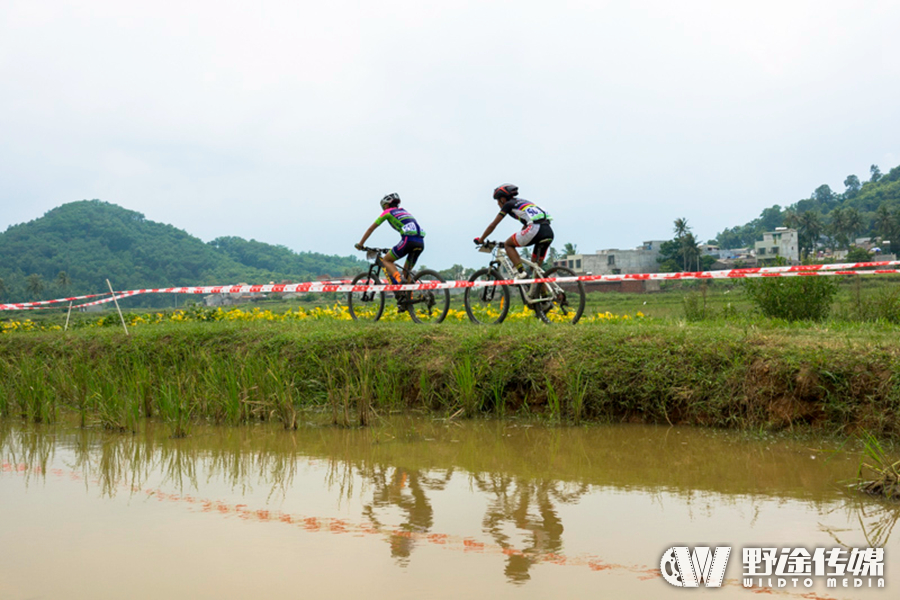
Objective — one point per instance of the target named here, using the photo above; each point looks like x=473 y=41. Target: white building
x=782 y=242
x=642 y=259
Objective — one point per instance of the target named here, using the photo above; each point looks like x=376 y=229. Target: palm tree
x=63 y=280
x=34 y=285
x=885 y=223
x=685 y=240
x=810 y=227
x=837 y=228
x=570 y=249
x=790 y=218
x=853 y=223
x=690 y=251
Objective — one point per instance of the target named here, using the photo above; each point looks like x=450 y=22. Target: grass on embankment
x=741 y=375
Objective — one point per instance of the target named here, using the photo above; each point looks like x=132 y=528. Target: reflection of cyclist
x=523 y=519
x=404 y=490
x=412 y=241
x=537 y=229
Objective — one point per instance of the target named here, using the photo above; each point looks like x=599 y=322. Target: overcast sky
x=286 y=122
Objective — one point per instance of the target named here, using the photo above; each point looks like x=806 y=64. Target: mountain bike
x=550 y=301
x=423 y=305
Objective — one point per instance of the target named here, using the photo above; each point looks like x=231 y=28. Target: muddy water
x=414 y=509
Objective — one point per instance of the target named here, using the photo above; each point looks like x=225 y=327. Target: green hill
x=876 y=202
x=74 y=248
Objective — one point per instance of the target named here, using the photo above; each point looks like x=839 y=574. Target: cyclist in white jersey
x=537 y=230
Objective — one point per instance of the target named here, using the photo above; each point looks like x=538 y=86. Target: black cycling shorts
x=410 y=246
x=541 y=241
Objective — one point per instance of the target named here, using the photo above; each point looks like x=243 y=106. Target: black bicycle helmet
x=390 y=200
x=507 y=190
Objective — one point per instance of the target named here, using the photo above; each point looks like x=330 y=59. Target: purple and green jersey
x=401 y=221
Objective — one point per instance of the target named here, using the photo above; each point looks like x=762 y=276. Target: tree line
x=74 y=248
x=831 y=219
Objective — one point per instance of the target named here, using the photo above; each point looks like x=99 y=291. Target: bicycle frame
x=502 y=262
x=377 y=266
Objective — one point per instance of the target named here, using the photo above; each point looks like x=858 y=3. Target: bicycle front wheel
x=486 y=305
x=558 y=304
x=365 y=305
x=428 y=305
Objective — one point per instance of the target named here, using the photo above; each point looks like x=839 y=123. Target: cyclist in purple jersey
x=537 y=230
x=412 y=236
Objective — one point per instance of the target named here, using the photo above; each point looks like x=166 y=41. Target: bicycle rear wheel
x=562 y=305
x=486 y=305
x=365 y=305
x=428 y=306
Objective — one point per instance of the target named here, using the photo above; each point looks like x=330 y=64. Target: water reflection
x=393 y=482
x=522 y=518
x=875 y=518
x=404 y=490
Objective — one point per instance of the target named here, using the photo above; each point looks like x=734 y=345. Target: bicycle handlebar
x=378 y=250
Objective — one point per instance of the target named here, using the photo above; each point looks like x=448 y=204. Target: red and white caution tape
x=47 y=303
x=865 y=268
x=115 y=298
x=56 y=305
x=315 y=286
